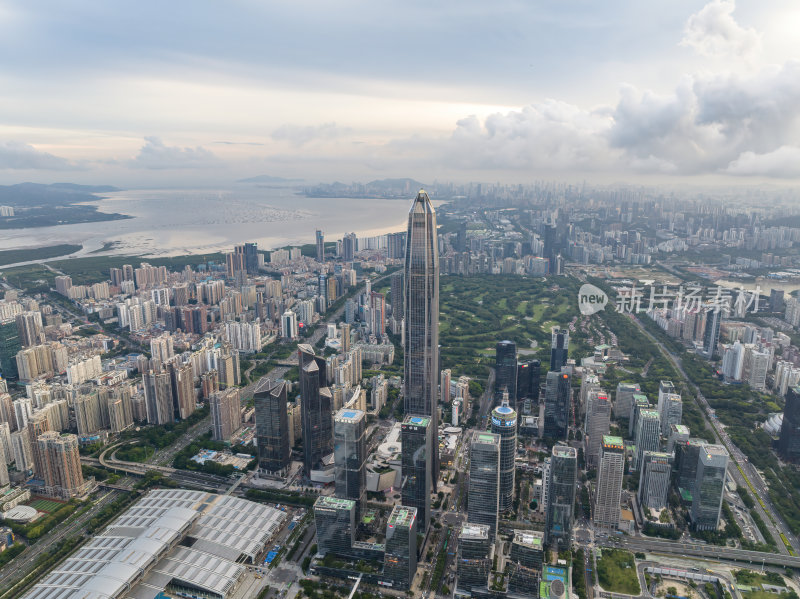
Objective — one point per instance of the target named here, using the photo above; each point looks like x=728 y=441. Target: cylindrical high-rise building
x=421 y=342
x=504 y=424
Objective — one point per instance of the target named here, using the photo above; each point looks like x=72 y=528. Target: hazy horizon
x=197 y=93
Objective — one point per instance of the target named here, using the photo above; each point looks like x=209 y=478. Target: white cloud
x=783 y=162
x=154 y=154
x=700 y=128
x=714 y=32
x=20 y=156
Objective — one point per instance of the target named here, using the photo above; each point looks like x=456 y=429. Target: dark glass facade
x=474 y=563
x=350 y=454
x=505 y=372
x=335 y=519
x=559 y=348
x=416 y=456
x=400 y=560
x=421 y=343
x=316 y=405
x=528 y=377
x=272 y=426
x=561 y=497
x=557 y=397
x=484 y=481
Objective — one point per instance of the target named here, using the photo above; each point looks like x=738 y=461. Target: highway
x=164 y=457
x=20 y=566
x=742 y=470
x=701 y=550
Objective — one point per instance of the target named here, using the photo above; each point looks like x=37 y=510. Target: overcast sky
x=198 y=92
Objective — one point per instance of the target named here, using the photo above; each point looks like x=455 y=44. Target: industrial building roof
x=139 y=554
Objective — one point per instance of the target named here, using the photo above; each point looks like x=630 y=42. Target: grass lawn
x=756 y=579
x=616 y=571
x=46 y=505
x=478 y=311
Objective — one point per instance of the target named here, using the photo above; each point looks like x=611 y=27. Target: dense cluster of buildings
x=198 y=322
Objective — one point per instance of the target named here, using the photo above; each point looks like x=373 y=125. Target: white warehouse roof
x=141 y=546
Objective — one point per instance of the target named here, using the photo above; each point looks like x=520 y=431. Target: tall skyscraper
x=559 y=348
x=474 y=561
x=350 y=455
x=648 y=435
x=776 y=300
x=30 y=328
x=623 y=400
x=678 y=433
x=349 y=246
x=505 y=372
x=560 y=482
x=665 y=390
x=686 y=458
x=400 y=560
x=640 y=402
x=789 y=440
x=557 y=399
x=289 y=328
x=528 y=376
x=23 y=452
x=62 y=464
x=421 y=342
x=158 y=397
x=609 y=482
x=183 y=396
x=377 y=314
x=672 y=412
x=316 y=403
x=654 y=479
x=416 y=464
x=483 y=497
x=249 y=257
x=272 y=426
x=335 y=519
x=711 y=333
x=504 y=425
x=37 y=426
x=598 y=422
x=396 y=245
x=320 y=246
x=709 y=487
x=527 y=548
x=226 y=416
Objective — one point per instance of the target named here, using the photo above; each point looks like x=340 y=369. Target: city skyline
x=443 y=300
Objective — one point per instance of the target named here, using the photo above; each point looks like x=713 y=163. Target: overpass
x=707 y=551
